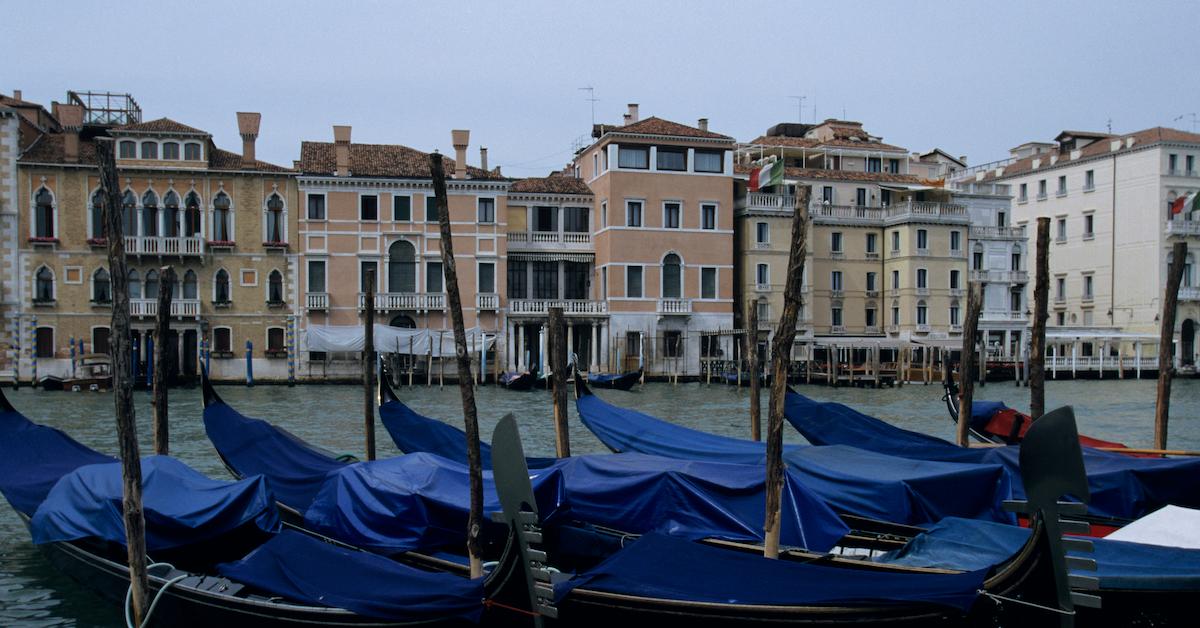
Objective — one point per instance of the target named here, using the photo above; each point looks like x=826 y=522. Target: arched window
x=191 y=219
x=43 y=214
x=190 y=290
x=275 y=288
x=170 y=217
x=128 y=210
x=151 y=284
x=402 y=267
x=96 y=211
x=191 y=151
x=101 y=287
x=171 y=150
x=922 y=313
x=403 y=321
x=43 y=288
x=275 y=219
x=149 y=150
x=221 y=287
x=135 y=284
x=150 y=213
x=127 y=149
x=221 y=218
x=672 y=287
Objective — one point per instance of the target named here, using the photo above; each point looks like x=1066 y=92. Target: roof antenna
x=799 y=107
x=1187 y=115
x=1110 y=126
x=592 y=99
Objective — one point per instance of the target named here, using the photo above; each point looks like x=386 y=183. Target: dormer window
x=191 y=151
x=149 y=150
x=127 y=149
x=170 y=150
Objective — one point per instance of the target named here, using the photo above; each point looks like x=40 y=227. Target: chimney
x=71 y=119
x=341 y=149
x=16 y=94
x=628 y=119
x=248 y=129
x=633 y=112
x=483 y=158
x=460 y=138
x=962 y=158
x=702 y=123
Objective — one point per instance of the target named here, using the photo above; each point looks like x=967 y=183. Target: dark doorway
x=1187 y=343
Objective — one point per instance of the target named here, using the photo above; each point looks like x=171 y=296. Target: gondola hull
x=518 y=381
x=625 y=381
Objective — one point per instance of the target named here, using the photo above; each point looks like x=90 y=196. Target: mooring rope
x=1000 y=598
x=154 y=602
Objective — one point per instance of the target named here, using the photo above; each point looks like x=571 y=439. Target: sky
x=971 y=78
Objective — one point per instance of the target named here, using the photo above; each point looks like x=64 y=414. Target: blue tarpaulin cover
x=849 y=479
x=253 y=447
x=182 y=507
x=1121 y=486
x=419 y=501
x=982 y=411
x=34 y=457
x=414 y=433
x=964 y=544
x=657 y=566
x=304 y=569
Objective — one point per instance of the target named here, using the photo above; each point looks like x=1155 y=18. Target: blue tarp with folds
x=419 y=501
x=849 y=479
x=34 y=457
x=656 y=566
x=181 y=506
x=982 y=411
x=1121 y=486
x=303 y=569
x=964 y=544
x=414 y=433
x=253 y=447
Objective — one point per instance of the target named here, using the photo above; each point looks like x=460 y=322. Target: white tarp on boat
x=393 y=340
x=1169 y=526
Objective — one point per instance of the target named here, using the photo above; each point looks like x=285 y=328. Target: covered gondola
x=615 y=381
x=518 y=380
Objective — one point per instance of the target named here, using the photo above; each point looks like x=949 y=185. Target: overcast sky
x=971 y=78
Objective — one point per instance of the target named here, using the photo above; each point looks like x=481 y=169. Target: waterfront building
x=370 y=207
x=662 y=240
x=886 y=244
x=223 y=220
x=16 y=116
x=1109 y=199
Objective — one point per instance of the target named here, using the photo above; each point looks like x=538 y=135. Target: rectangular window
x=1190 y=160
x=1001 y=219
x=1024 y=195
x=316 y=207
x=633 y=344
x=1062 y=185
x=827 y=195
x=895 y=241
x=1089 y=180
x=603 y=214
x=633 y=282
x=708 y=283
x=955 y=240
x=871 y=282
x=433 y=277
x=672 y=344
x=671 y=159
x=954 y=279
x=1014 y=301
x=835 y=316
x=835 y=242
x=633 y=213
x=922 y=314
x=637 y=157
x=894 y=166
x=922 y=239
x=671 y=215
x=708 y=216
x=895 y=280
x=1172 y=161
x=860 y=197
x=835 y=281
x=954 y=315
x=708 y=161
x=895 y=315
x=368 y=207
x=487 y=277
x=402 y=208
x=1061 y=319
x=595 y=165
x=885 y=198
x=1060 y=289
x=486 y=210
x=545 y=219
x=191 y=151
x=874 y=164
x=1042 y=189
x=1089 y=225
x=871 y=243
x=1062 y=229
x=922 y=276
x=762 y=275
x=870 y=317
x=365 y=268
x=518 y=281
x=45 y=342
x=577 y=278
x=575 y=220
x=431 y=210
x=762 y=233
x=1088 y=284
x=275 y=339
x=316 y=276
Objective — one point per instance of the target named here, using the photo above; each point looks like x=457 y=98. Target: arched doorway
x=1187 y=343
x=403 y=321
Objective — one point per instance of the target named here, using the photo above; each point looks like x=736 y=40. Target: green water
x=33 y=594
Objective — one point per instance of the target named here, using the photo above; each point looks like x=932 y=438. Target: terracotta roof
x=225 y=160
x=9 y=101
x=161 y=125
x=841 y=175
x=1099 y=148
x=378 y=160
x=48 y=149
x=658 y=126
x=556 y=183
x=803 y=142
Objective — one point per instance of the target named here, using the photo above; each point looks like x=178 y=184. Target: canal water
x=33 y=594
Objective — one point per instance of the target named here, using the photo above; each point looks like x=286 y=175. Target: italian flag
x=1184 y=203
x=766 y=175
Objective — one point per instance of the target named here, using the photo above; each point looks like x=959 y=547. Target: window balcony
x=1061 y=193
x=46 y=241
x=955 y=329
x=669 y=307
x=550 y=240
x=837 y=293
x=762 y=245
x=837 y=255
x=571 y=307
x=1189 y=293
x=956 y=292
x=1183 y=228
x=871 y=329
x=762 y=287
x=872 y=294
x=162 y=245
x=1060 y=299
x=1008 y=233
x=761 y=201
x=873 y=255
x=1088 y=298
x=1041 y=196
x=957 y=253
x=405 y=302
x=1023 y=199
x=1089 y=188
x=837 y=329
x=487 y=302
x=316 y=301
x=44 y=302
x=148 y=308
x=923 y=252
x=923 y=290
x=893 y=329
x=923 y=328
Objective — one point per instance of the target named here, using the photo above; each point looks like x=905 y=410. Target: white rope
x=1001 y=598
x=154 y=602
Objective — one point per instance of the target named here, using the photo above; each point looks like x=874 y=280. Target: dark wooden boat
x=624 y=381
x=513 y=380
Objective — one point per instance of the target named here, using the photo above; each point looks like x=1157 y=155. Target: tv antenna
x=799 y=107
x=1187 y=115
x=591 y=99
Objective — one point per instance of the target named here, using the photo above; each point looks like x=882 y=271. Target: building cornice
x=453 y=185
x=542 y=197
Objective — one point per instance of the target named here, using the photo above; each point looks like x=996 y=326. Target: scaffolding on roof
x=106 y=108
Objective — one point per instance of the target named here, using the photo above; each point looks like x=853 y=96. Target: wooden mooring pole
x=1037 y=342
x=465 y=386
x=967 y=392
x=131 y=463
x=368 y=357
x=781 y=348
x=1166 y=344
x=751 y=349
x=558 y=365
x=162 y=329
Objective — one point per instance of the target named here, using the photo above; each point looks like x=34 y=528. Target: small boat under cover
x=615 y=381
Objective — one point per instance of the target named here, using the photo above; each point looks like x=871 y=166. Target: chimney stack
x=703 y=124
x=483 y=158
x=633 y=112
x=341 y=149
x=628 y=119
x=71 y=119
x=248 y=128
x=460 y=138
x=16 y=94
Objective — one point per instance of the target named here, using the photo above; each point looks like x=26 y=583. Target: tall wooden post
x=162 y=328
x=969 y=357
x=781 y=348
x=558 y=366
x=1166 y=344
x=751 y=350
x=1037 y=343
x=470 y=418
x=368 y=357
x=131 y=463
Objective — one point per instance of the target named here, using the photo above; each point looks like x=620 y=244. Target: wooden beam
x=967 y=390
x=558 y=378
x=368 y=358
x=751 y=349
x=1037 y=342
x=1166 y=344
x=162 y=329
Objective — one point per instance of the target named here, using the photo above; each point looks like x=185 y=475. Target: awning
x=552 y=256
x=905 y=187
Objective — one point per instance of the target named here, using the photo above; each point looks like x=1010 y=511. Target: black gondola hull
x=625 y=382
